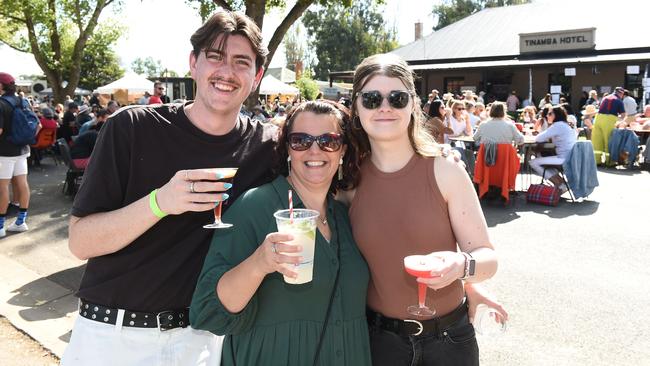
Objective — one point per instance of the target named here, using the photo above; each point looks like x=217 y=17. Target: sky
x=161 y=29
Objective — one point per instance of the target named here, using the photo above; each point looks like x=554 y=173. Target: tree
x=452 y=11
x=147 y=66
x=100 y=64
x=341 y=37
x=37 y=26
x=294 y=50
x=308 y=87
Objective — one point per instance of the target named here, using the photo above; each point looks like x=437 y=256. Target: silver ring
x=192 y=187
x=274 y=249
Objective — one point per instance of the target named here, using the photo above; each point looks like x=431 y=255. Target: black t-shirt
x=140 y=149
x=6 y=147
x=84 y=144
x=68 y=117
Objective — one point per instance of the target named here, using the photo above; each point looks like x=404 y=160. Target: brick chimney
x=418 y=30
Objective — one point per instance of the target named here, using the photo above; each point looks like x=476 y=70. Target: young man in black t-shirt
x=146 y=194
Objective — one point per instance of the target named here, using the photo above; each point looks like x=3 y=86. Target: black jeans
x=455 y=346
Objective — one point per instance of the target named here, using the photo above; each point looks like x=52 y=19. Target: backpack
x=24 y=123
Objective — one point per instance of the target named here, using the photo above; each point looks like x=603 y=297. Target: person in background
x=470 y=108
x=112 y=107
x=13 y=158
x=458 y=121
x=512 y=102
x=610 y=111
x=158 y=96
x=593 y=99
x=83 y=116
x=588 y=119
x=630 y=106
x=435 y=124
x=480 y=112
x=85 y=141
x=542 y=123
x=544 y=101
x=498 y=130
x=563 y=137
x=144 y=99
x=95 y=123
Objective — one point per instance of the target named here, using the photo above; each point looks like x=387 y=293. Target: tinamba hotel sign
x=575 y=39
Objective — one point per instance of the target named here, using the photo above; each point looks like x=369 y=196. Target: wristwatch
x=470 y=266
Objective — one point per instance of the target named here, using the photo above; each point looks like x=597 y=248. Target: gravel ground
x=18 y=349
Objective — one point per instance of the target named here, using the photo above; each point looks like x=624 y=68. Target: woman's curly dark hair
x=351 y=157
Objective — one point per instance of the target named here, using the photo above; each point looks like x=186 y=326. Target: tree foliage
x=451 y=11
x=100 y=64
x=294 y=49
x=147 y=66
x=341 y=37
x=56 y=32
x=307 y=86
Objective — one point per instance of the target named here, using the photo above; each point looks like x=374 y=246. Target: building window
x=634 y=83
x=453 y=85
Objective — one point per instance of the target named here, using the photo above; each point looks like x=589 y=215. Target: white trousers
x=537 y=163
x=97 y=344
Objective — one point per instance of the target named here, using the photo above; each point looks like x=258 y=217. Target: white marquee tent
x=131 y=82
x=271 y=85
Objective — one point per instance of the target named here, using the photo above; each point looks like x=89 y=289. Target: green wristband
x=153 y=205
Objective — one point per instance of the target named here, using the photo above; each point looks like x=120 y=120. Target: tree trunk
x=256 y=11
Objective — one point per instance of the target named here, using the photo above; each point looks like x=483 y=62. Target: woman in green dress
x=267 y=321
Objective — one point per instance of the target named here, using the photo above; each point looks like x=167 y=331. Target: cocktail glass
x=421 y=266
x=228 y=175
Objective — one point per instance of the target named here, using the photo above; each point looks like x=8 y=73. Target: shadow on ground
x=497 y=213
x=40 y=293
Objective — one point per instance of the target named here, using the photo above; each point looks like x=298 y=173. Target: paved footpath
x=573 y=277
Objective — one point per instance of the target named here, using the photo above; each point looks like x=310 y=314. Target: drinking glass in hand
x=228 y=175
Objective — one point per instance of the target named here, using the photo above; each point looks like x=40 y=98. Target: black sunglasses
x=396 y=98
x=328 y=142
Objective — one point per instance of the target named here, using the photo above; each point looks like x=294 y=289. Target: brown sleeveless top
x=394 y=215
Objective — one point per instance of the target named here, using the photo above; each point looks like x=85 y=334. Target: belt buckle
x=158 y=316
x=419 y=325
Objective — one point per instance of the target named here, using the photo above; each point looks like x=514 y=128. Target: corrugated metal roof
x=495 y=31
x=569 y=61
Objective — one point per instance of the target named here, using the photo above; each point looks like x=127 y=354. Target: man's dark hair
x=560 y=114
x=102 y=113
x=9 y=89
x=228 y=23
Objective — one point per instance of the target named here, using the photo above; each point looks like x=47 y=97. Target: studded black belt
x=164 y=320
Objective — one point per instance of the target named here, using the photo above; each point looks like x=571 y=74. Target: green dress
x=281 y=324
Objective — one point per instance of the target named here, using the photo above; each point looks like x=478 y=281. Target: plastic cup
x=485 y=322
x=303 y=229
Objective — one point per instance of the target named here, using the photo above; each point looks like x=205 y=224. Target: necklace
x=323 y=220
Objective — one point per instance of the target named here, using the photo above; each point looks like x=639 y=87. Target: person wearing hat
x=610 y=111
x=13 y=158
x=83 y=116
x=588 y=119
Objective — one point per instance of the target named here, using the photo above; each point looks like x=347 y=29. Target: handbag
x=543 y=194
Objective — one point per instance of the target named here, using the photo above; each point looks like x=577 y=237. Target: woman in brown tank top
x=408 y=201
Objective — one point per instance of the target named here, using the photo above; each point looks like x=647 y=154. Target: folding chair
x=74 y=175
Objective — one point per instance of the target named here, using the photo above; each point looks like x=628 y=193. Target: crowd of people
x=160 y=289
x=454 y=116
